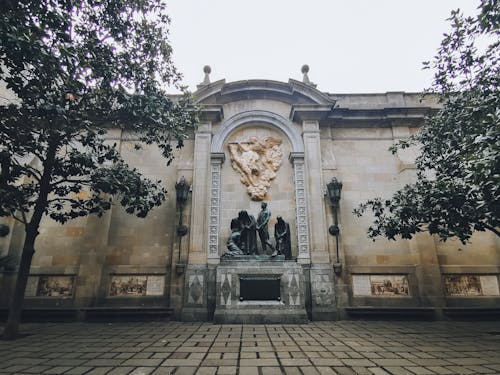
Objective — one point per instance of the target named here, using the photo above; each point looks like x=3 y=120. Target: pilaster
x=427 y=271
x=201 y=164
x=317 y=222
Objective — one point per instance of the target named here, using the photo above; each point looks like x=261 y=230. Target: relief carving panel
x=257 y=161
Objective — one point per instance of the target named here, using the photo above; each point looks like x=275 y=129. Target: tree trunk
x=16 y=306
x=12 y=327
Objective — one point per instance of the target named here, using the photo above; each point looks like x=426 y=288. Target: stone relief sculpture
x=257 y=162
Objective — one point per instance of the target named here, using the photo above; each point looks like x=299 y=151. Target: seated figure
x=234 y=241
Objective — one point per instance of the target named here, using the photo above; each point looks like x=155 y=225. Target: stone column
x=297 y=159
x=216 y=160
x=317 y=221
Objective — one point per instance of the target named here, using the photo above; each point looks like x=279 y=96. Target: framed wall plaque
x=136 y=285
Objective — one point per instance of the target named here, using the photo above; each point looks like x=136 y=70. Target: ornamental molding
x=265 y=118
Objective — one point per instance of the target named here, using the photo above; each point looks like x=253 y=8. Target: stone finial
x=305 y=70
x=305 y=78
x=207 y=70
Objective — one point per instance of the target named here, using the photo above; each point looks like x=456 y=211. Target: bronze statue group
x=244 y=230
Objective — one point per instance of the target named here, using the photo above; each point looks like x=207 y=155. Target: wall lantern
x=334 y=189
x=182 y=189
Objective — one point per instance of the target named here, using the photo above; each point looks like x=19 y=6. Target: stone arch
x=265 y=117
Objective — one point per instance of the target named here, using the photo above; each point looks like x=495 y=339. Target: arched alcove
x=265 y=118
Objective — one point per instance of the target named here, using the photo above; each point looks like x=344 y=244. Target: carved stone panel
x=257 y=161
x=301 y=205
x=195 y=290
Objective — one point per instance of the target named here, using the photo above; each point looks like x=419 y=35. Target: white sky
x=351 y=46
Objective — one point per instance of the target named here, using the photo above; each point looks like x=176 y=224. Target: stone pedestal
x=260 y=306
x=198 y=304
x=323 y=303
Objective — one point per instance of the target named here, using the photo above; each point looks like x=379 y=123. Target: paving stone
x=271 y=371
x=163 y=371
x=326 y=362
x=265 y=354
x=185 y=371
x=14 y=368
x=358 y=362
x=259 y=362
x=380 y=371
x=21 y=361
x=160 y=355
x=227 y=370
x=418 y=370
x=249 y=370
x=193 y=349
x=361 y=370
x=295 y=362
x=292 y=370
x=206 y=371
x=141 y=355
x=326 y=370
x=58 y=370
x=189 y=362
x=392 y=362
x=64 y=362
x=460 y=370
x=142 y=362
x=142 y=371
x=78 y=370
x=468 y=361
x=481 y=369
x=99 y=371
x=309 y=370
x=494 y=367
x=120 y=371
x=344 y=371
x=440 y=370
x=431 y=362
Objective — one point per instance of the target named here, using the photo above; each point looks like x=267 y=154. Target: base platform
x=259 y=291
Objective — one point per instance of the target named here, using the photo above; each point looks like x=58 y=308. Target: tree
x=78 y=68
x=457 y=188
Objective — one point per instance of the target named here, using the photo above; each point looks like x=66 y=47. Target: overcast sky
x=351 y=46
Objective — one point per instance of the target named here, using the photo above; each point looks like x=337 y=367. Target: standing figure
x=282 y=236
x=262 y=222
x=248 y=233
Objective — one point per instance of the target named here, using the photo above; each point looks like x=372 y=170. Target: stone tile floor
x=345 y=347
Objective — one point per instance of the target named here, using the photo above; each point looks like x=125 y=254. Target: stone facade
x=119 y=261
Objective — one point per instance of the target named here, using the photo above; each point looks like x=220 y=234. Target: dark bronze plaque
x=260 y=288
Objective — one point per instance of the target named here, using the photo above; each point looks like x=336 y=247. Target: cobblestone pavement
x=345 y=347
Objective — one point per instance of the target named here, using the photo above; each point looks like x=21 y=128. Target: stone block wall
x=151 y=265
